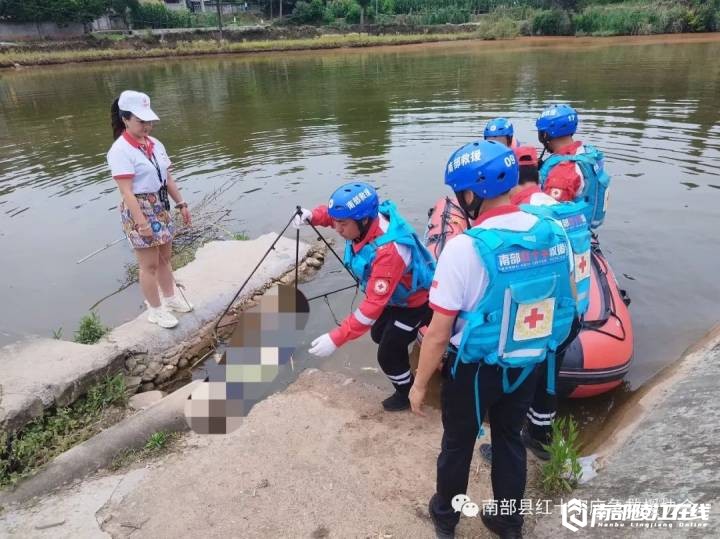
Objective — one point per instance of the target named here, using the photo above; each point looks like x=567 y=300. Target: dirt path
x=320 y=459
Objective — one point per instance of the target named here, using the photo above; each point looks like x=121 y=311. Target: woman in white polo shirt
x=141 y=167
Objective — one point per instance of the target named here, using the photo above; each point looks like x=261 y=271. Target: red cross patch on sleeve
x=381 y=287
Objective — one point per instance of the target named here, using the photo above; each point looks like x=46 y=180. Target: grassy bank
x=59 y=429
x=202 y=47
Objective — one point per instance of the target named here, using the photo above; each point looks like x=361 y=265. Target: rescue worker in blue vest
x=571 y=215
x=502 y=300
x=575 y=172
x=501 y=130
x=394 y=270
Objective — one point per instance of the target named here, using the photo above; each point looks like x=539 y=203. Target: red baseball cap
x=526 y=156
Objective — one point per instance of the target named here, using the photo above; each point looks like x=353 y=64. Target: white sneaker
x=179 y=305
x=162 y=318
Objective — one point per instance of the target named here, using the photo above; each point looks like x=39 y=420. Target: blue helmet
x=354 y=201
x=557 y=121
x=499 y=127
x=488 y=168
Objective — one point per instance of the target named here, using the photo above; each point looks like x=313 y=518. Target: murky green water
x=285 y=129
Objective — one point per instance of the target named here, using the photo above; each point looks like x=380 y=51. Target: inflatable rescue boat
x=599 y=358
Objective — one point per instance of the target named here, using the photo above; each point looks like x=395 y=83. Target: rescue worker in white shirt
x=394 y=270
x=502 y=300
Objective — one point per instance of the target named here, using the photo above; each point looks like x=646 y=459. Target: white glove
x=323 y=346
x=302 y=219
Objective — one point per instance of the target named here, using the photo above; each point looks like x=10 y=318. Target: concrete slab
x=75 y=513
x=40 y=373
x=210 y=282
x=144 y=400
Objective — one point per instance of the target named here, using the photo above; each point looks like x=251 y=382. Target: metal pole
x=219 y=12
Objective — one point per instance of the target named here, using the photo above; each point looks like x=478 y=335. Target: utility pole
x=280 y=2
x=219 y=12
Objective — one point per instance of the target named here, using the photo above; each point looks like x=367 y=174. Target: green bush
x=338 y=9
x=638 y=19
x=560 y=475
x=59 y=11
x=445 y=15
x=308 y=12
x=347 y=10
x=91 y=329
x=353 y=14
x=704 y=18
x=504 y=28
x=158 y=16
x=552 y=23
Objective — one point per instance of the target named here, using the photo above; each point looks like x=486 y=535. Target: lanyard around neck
x=154 y=162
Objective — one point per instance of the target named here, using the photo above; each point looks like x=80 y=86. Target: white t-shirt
x=461 y=278
x=541 y=199
x=128 y=161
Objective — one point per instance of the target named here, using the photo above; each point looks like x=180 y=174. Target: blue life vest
x=528 y=308
x=422 y=264
x=571 y=215
x=597 y=181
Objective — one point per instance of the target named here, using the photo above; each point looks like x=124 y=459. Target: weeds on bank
x=187 y=48
x=58 y=430
x=561 y=474
x=241 y=236
x=91 y=329
x=156 y=443
x=183 y=257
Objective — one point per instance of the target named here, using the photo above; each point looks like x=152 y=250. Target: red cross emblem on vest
x=534 y=317
x=582 y=266
x=534 y=320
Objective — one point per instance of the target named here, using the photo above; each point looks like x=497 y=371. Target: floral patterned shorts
x=160 y=221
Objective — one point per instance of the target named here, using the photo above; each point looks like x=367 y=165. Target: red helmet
x=526 y=155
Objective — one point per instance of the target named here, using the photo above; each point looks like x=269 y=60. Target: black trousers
x=506 y=412
x=394 y=331
x=544 y=405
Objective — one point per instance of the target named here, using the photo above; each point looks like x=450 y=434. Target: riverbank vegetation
x=20 y=57
x=526 y=17
x=328 y=24
x=59 y=429
x=561 y=474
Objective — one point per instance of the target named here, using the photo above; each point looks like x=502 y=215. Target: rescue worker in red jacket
x=575 y=172
x=393 y=268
